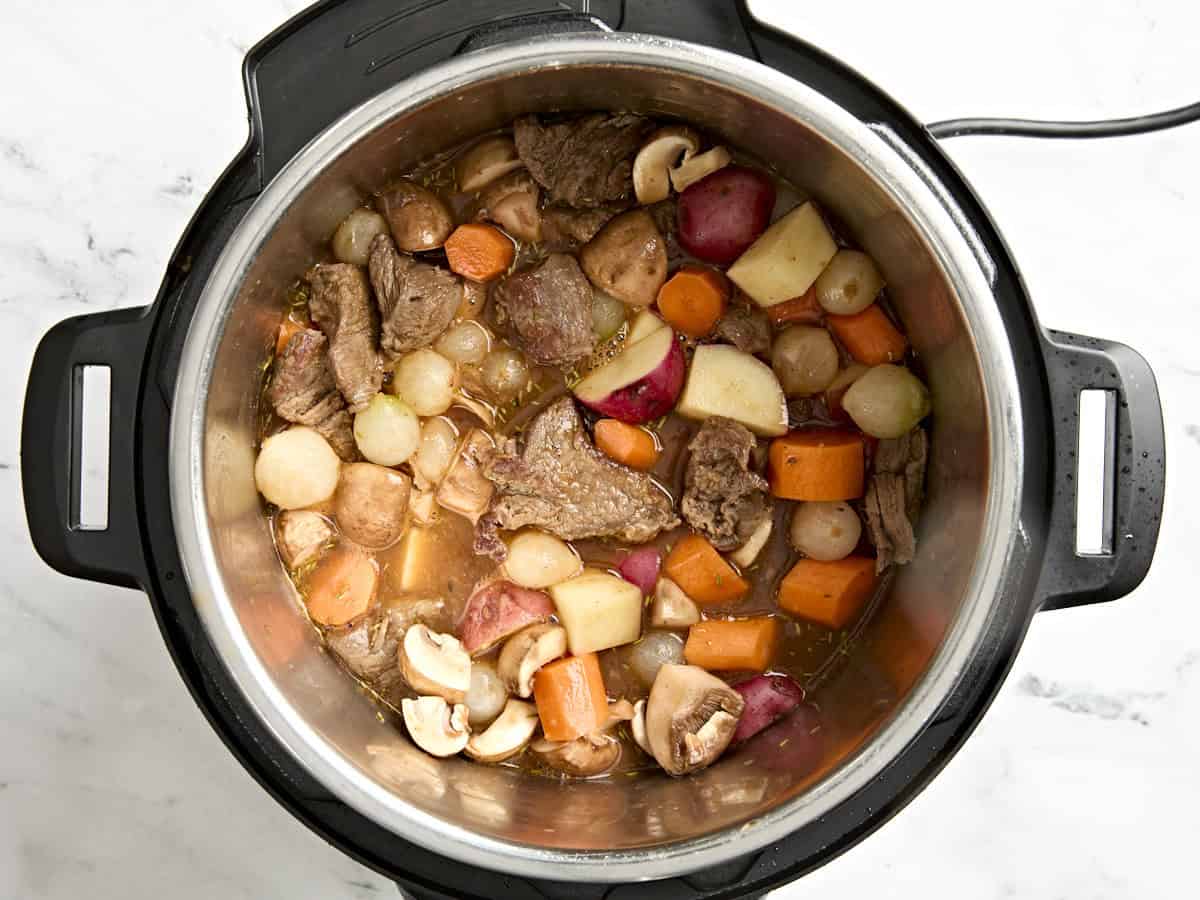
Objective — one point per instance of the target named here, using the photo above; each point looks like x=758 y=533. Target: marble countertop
x=1080 y=782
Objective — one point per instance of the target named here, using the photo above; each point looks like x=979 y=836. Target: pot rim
x=953 y=244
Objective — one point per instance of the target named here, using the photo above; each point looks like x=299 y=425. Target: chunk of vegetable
x=627 y=258
x=658 y=156
x=641 y=568
x=486 y=161
x=466 y=343
x=296 y=468
x=439 y=441
x=671 y=607
x=371 y=504
x=426 y=381
x=849 y=284
x=825 y=529
x=887 y=401
x=786 y=260
x=838 y=387
x=768 y=699
x=598 y=610
x=869 y=336
x=498 y=609
x=830 y=593
x=817 y=464
x=479 y=252
x=644 y=323
x=570 y=696
x=352 y=240
x=733 y=645
x=608 y=315
x=696 y=566
x=693 y=300
x=805 y=359
x=652 y=652
x=419 y=219
x=539 y=560
x=688 y=172
x=640 y=384
x=505 y=373
x=745 y=555
x=387 y=432
x=342 y=586
x=725 y=381
x=802 y=310
x=724 y=213
x=288 y=329
x=627 y=444
x=486 y=696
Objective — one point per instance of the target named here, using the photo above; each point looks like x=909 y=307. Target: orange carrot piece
x=733 y=645
x=870 y=336
x=627 y=444
x=342 y=586
x=693 y=300
x=817 y=464
x=570 y=696
x=695 y=565
x=479 y=252
x=805 y=310
x=830 y=593
x=288 y=329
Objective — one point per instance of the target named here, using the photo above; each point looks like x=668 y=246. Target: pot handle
x=1135 y=466
x=52 y=452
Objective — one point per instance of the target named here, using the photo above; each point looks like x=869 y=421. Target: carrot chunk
x=816 y=464
x=627 y=444
x=570 y=696
x=342 y=586
x=729 y=645
x=703 y=574
x=288 y=329
x=870 y=336
x=693 y=300
x=830 y=593
x=805 y=310
x=479 y=252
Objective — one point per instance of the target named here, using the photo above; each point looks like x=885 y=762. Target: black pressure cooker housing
x=307 y=74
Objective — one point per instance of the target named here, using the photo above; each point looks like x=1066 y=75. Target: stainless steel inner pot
x=911 y=654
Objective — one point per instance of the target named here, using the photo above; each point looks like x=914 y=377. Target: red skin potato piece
x=641 y=567
x=649 y=397
x=768 y=698
x=499 y=609
x=722 y=214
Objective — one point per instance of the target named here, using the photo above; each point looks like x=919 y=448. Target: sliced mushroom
x=671 y=607
x=591 y=754
x=418 y=218
x=485 y=162
x=627 y=259
x=659 y=155
x=745 y=555
x=435 y=663
x=700 y=166
x=512 y=202
x=302 y=535
x=435 y=726
x=618 y=711
x=526 y=652
x=371 y=504
x=690 y=718
x=638 y=726
x=464 y=489
x=507 y=736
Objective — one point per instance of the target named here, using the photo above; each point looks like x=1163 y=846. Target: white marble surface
x=1081 y=782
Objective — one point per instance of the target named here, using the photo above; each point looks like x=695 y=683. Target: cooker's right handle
x=1136 y=457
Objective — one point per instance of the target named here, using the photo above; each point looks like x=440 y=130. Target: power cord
x=1101 y=128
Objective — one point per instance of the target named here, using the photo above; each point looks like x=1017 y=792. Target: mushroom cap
x=690 y=718
x=486 y=161
x=671 y=607
x=638 y=726
x=591 y=754
x=436 y=664
x=526 y=652
x=700 y=166
x=658 y=156
x=507 y=736
x=435 y=726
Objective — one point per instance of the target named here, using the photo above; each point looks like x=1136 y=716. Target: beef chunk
x=567 y=228
x=893 y=497
x=303 y=391
x=549 y=308
x=747 y=328
x=722 y=499
x=416 y=300
x=561 y=483
x=586 y=161
x=341 y=307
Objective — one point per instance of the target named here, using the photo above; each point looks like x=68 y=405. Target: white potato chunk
x=725 y=381
x=598 y=610
x=785 y=261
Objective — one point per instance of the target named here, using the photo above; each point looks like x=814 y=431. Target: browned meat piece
x=303 y=391
x=561 y=483
x=893 y=497
x=341 y=307
x=569 y=228
x=585 y=161
x=416 y=300
x=549 y=309
x=722 y=499
x=747 y=328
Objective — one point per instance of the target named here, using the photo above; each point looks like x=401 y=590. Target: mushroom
x=371 y=504
x=526 y=652
x=588 y=755
x=627 y=259
x=700 y=166
x=418 y=218
x=512 y=203
x=638 y=726
x=671 y=607
x=435 y=726
x=690 y=718
x=302 y=534
x=658 y=156
x=485 y=162
x=464 y=489
x=618 y=711
x=507 y=736
x=435 y=663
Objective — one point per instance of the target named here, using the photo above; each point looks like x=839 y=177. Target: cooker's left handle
x=1135 y=466
x=52 y=451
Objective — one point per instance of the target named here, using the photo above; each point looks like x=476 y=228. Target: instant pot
x=348 y=95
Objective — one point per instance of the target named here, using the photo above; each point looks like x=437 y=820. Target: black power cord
x=1101 y=128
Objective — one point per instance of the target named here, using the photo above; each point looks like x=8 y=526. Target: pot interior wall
x=891 y=653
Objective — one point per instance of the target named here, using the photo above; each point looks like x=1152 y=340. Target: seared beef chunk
x=416 y=300
x=569 y=228
x=369 y=648
x=303 y=391
x=341 y=306
x=549 y=308
x=586 y=161
x=722 y=499
x=747 y=328
x=893 y=497
x=561 y=483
